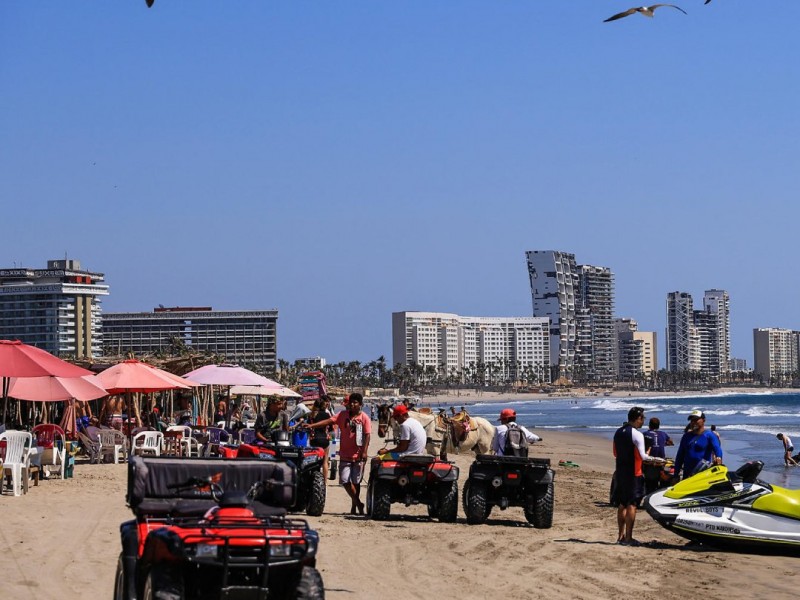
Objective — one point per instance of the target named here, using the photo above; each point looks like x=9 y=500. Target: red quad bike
x=413 y=479
x=510 y=481
x=311 y=487
x=196 y=535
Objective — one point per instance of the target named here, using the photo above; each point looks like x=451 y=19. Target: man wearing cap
x=272 y=418
x=507 y=417
x=697 y=445
x=628 y=490
x=412 y=435
x=355 y=429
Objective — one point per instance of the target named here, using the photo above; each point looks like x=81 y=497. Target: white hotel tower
x=451 y=343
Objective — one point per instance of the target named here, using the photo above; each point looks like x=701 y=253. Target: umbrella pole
x=5 y=399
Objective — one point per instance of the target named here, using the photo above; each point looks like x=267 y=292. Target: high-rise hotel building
x=776 y=353
x=451 y=343
x=554 y=289
x=637 y=351
x=241 y=336
x=579 y=301
x=698 y=340
x=596 y=350
x=56 y=309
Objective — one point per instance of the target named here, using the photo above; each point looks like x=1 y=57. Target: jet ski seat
x=749 y=472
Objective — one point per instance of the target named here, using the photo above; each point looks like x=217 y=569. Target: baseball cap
x=697 y=414
x=507 y=413
x=400 y=409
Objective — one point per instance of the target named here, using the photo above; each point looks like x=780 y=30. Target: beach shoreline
x=62 y=540
x=458 y=398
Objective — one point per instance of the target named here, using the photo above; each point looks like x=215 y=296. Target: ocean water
x=747 y=423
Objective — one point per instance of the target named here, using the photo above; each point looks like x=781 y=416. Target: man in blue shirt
x=697 y=445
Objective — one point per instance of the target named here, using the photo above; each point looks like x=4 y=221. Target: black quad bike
x=197 y=535
x=413 y=479
x=311 y=485
x=510 y=481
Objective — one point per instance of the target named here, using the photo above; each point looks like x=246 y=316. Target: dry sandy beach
x=61 y=542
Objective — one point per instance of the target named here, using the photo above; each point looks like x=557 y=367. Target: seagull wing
x=626 y=13
x=149 y=3
x=655 y=6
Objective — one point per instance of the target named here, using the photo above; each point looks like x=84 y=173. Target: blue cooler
x=300 y=438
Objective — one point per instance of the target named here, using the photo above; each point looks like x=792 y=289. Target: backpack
x=516 y=442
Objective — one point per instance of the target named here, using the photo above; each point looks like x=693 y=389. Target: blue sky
x=340 y=161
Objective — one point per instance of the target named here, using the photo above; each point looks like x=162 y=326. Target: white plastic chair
x=112 y=443
x=189 y=445
x=148 y=442
x=16 y=460
x=53 y=442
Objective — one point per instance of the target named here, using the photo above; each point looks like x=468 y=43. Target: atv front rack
x=512 y=460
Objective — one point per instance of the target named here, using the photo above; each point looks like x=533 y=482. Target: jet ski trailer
x=730 y=509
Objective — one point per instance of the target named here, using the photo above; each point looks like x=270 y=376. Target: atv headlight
x=206 y=551
x=280 y=550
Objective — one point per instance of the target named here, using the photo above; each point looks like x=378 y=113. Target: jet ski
x=730 y=509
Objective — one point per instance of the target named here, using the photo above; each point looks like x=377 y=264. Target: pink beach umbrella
x=21 y=360
x=55 y=389
x=229 y=375
x=259 y=390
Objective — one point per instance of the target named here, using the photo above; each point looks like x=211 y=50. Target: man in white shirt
x=412 y=435
x=507 y=416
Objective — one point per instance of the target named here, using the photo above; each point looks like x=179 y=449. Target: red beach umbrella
x=135 y=376
x=21 y=360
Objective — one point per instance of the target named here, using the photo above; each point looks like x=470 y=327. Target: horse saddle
x=461 y=424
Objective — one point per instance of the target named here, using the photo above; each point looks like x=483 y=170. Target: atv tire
x=476 y=501
x=539 y=511
x=119 y=582
x=333 y=468
x=310 y=586
x=381 y=500
x=163 y=584
x=433 y=510
x=448 y=502
x=316 y=497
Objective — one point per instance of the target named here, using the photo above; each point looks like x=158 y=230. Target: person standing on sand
x=629 y=490
x=655 y=442
x=788 y=448
x=355 y=429
x=697 y=445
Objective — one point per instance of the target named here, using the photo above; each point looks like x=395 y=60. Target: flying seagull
x=647 y=11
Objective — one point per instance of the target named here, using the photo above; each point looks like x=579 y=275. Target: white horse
x=478 y=440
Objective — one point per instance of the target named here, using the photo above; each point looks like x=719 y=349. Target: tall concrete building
x=718 y=303
x=241 y=336
x=451 y=343
x=637 y=353
x=56 y=309
x=698 y=340
x=554 y=289
x=776 y=353
x=680 y=323
x=596 y=340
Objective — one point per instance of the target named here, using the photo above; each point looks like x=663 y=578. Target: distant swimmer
x=647 y=11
